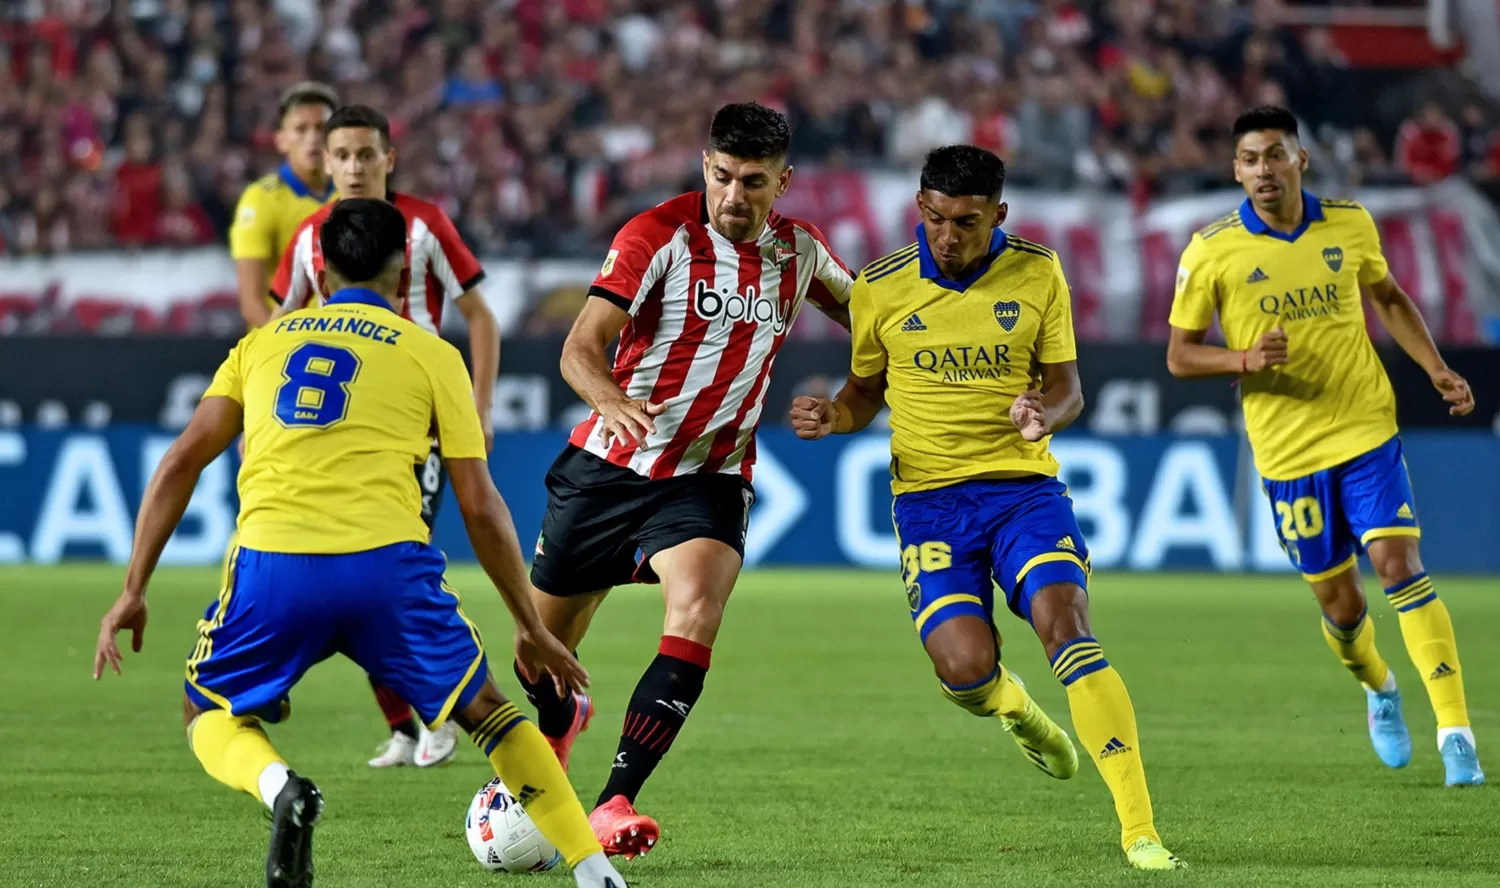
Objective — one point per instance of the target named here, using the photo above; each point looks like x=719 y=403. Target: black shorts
x=604 y=522
x=432 y=477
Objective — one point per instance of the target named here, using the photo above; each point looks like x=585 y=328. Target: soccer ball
x=502 y=835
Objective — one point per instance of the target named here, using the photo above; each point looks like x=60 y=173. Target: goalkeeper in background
x=1285 y=273
x=968 y=335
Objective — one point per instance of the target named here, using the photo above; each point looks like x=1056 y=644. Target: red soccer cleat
x=621 y=830
x=583 y=713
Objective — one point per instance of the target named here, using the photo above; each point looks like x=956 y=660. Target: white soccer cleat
x=437 y=747
x=399 y=750
x=597 y=872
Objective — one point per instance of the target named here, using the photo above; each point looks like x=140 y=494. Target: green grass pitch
x=821 y=754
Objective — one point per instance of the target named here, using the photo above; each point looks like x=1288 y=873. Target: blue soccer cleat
x=1388 y=732
x=1461 y=762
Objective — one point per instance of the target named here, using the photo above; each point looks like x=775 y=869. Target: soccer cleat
x=1388 y=732
x=1043 y=741
x=595 y=871
x=622 y=830
x=436 y=747
x=583 y=713
x=1461 y=762
x=399 y=750
x=289 y=862
x=1147 y=853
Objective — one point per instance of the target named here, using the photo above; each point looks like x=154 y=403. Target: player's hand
x=539 y=651
x=1030 y=416
x=129 y=612
x=812 y=418
x=630 y=421
x=1455 y=390
x=1270 y=351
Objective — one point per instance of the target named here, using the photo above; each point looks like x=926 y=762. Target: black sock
x=658 y=708
x=554 y=714
x=397 y=713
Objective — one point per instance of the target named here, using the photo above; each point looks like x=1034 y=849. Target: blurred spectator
x=1428 y=146
x=182 y=221
x=1052 y=129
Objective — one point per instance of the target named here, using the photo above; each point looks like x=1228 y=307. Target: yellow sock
x=522 y=758
x=993 y=696
x=1105 y=723
x=1428 y=632
x=234 y=750
x=1355 y=647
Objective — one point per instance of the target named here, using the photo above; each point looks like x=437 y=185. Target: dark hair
x=750 y=131
x=964 y=171
x=306 y=93
x=359 y=117
x=360 y=236
x=1266 y=117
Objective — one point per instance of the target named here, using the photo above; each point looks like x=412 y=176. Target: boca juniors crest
x=1334 y=256
x=1007 y=313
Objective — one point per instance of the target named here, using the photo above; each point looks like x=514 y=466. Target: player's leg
x=1312 y=520
x=264 y=631
x=945 y=566
x=692 y=538
x=561 y=717
x=1376 y=492
x=1042 y=565
x=415 y=637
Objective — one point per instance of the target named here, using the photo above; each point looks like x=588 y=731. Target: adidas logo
x=1113 y=747
x=913 y=325
x=1066 y=544
x=1404 y=511
x=1443 y=670
x=1257 y=276
x=529 y=794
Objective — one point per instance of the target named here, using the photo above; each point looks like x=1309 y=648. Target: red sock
x=397 y=713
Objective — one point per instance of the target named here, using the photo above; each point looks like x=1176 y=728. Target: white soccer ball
x=502 y=835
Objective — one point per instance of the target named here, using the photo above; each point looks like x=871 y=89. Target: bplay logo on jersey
x=727 y=306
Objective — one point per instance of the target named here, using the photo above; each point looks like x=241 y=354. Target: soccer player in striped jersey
x=655 y=485
x=1286 y=274
x=968 y=335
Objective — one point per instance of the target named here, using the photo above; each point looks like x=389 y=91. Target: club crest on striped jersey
x=1008 y=313
x=779 y=251
x=727 y=306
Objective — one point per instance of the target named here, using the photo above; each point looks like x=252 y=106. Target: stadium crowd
x=541 y=124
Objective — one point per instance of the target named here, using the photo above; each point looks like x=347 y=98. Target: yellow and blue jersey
x=269 y=212
x=976 y=504
x=340 y=403
x=956 y=354
x=1332 y=400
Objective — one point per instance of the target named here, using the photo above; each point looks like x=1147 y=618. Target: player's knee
x=695 y=615
x=190 y=713
x=963 y=651
x=1395 y=559
x=1059 y=614
x=1340 y=598
x=487 y=700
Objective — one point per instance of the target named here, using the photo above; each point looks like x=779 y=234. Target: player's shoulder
x=270 y=183
x=659 y=224
x=1228 y=222
x=414 y=208
x=1030 y=250
x=1341 y=203
x=891 y=265
x=1342 y=211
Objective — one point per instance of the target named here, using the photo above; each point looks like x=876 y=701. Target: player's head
x=745 y=167
x=303 y=110
x=360 y=156
x=959 y=199
x=364 y=245
x=1269 y=159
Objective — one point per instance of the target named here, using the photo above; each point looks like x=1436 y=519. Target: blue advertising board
x=1145 y=503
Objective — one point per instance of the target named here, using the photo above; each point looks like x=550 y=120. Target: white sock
x=592 y=871
x=1390 y=683
x=272 y=779
x=1465 y=732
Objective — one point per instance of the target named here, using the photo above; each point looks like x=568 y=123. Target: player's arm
x=251 y=244
x=1193 y=305
x=1399 y=315
x=831 y=283
x=290 y=287
x=216 y=422
x=484 y=355
x=863 y=395
x=1052 y=408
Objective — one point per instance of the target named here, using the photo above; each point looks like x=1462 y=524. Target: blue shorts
x=1326 y=519
x=954 y=540
x=387 y=609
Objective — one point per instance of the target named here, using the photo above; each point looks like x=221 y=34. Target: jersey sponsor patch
x=1182 y=278
x=609 y=263
x=246 y=215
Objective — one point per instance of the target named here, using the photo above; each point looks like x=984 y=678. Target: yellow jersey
x=1332 y=400
x=269 y=212
x=956 y=355
x=341 y=401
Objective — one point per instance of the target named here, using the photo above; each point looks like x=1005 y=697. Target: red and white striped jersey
x=707 y=316
x=435 y=256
